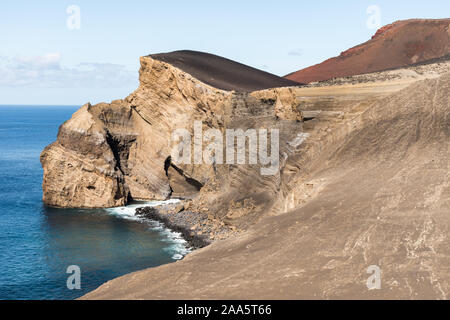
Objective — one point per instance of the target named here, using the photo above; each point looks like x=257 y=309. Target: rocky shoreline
x=196 y=228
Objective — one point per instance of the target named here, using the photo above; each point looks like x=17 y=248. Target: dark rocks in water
x=194 y=241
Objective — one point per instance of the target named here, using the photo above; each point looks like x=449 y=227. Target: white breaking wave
x=179 y=246
x=129 y=211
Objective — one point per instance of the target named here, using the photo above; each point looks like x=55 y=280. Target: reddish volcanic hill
x=399 y=44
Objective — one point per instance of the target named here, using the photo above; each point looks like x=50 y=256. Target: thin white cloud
x=47 y=71
x=50 y=61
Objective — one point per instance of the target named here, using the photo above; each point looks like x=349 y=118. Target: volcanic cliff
x=111 y=153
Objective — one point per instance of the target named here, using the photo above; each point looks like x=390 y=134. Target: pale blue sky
x=43 y=62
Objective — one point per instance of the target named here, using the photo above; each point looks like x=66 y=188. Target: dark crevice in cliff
x=167 y=164
x=120 y=147
x=114 y=145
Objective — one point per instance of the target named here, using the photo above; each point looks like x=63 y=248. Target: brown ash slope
x=372 y=187
x=222 y=73
x=399 y=44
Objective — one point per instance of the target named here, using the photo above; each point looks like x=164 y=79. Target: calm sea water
x=38 y=243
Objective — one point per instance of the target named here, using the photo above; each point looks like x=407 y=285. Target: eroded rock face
x=82 y=168
x=108 y=154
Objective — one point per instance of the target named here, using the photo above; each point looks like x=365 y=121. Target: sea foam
x=179 y=247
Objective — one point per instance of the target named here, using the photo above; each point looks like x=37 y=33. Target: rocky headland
x=112 y=153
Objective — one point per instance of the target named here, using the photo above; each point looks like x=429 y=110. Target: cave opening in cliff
x=180 y=183
x=167 y=164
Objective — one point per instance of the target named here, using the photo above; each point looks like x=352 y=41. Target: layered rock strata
x=111 y=153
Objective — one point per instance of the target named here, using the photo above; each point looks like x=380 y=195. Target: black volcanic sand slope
x=223 y=73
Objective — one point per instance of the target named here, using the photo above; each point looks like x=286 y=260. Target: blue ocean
x=39 y=243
